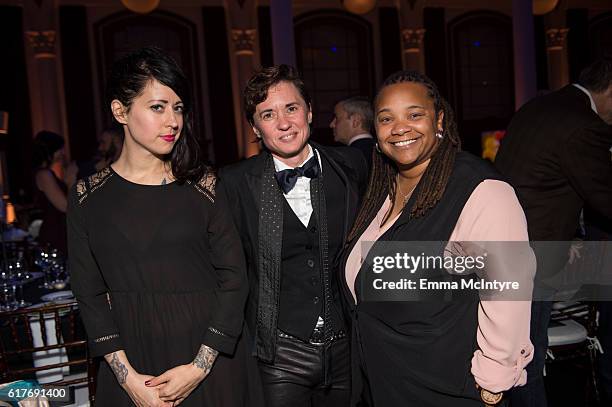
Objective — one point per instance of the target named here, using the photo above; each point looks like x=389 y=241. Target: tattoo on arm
x=119 y=369
x=205 y=358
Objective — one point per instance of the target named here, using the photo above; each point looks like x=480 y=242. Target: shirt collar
x=359 y=137
x=279 y=165
x=585 y=90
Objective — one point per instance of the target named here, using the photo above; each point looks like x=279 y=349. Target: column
x=412 y=49
x=411 y=21
x=525 y=86
x=556 y=49
x=244 y=44
x=44 y=71
x=244 y=59
x=283 y=44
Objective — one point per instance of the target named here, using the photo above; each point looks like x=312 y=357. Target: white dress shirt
x=359 y=137
x=585 y=90
x=299 y=197
x=593 y=106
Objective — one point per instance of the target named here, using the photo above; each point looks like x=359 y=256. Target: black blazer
x=556 y=155
x=366 y=146
x=242 y=184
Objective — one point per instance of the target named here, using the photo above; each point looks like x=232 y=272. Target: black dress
x=53 y=229
x=170 y=259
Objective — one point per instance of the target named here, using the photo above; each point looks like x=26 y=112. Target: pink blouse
x=492 y=213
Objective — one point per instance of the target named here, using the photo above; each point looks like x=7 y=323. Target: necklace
x=405 y=196
x=165 y=176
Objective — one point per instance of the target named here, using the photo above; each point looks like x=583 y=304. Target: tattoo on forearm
x=205 y=358
x=119 y=369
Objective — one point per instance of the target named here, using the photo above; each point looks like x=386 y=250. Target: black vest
x=419 y=353
x=301 y=294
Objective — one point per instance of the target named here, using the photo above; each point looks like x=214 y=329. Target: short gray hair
x=597 y=77
x=359 y=105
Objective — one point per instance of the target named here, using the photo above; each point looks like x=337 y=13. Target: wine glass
x=20 y=277
x=42 y=259
x=7 y=297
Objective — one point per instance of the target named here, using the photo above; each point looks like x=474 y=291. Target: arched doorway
x=481 y=73
x=334 y=55
x=123 y=32
x=600 y=36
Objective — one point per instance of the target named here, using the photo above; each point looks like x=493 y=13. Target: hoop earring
x=439 y=135
x=377 y=148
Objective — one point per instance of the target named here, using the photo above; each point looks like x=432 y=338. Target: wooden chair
x=62 y=334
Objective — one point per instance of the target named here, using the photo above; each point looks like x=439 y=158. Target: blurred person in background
x=48 y=157
x=352 y=125
x=556 y=155
x=110 y=144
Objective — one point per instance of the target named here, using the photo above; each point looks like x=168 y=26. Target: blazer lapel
x=253 y=180
x=351 y=197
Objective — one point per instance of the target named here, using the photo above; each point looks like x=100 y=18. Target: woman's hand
x=177 y=383
x=142 y=395
x=133 y=382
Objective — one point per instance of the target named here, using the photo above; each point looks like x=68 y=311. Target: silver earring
x=377 y=148
x=439 y=135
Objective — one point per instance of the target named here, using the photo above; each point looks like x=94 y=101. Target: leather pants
x=296 y=377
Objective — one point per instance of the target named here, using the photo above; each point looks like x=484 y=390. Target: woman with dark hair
x=51 y=197
x=155 y=259
x=294 y=204
x=457 y=350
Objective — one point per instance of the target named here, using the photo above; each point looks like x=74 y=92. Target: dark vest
x=419 y=353
x=301 y=295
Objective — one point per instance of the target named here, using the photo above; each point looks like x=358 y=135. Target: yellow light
x=11 y=217
x=140 y=6
x=541 y=7
x=359 y=6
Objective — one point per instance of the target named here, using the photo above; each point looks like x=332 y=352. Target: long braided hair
x=383 y=174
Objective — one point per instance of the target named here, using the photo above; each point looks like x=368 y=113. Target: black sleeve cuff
x=219 y=341
x=104 y=345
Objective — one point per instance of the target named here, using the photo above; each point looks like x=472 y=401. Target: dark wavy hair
x=384 y=172
x=256 y=89
x=128 y=78
x=46 y=143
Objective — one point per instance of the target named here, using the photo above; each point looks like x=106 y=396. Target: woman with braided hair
x=465 y=351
